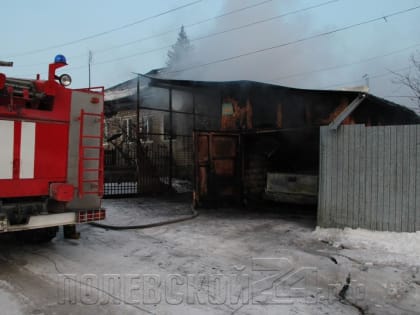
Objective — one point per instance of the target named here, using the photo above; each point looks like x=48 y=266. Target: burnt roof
x=241 y=84
x=159 y=82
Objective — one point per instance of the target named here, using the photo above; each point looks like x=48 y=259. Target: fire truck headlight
x=65 y=79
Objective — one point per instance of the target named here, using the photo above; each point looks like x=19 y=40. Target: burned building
x=262 y=141
x=265 y=143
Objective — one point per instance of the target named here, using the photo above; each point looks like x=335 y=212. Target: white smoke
x=283 y=65
x=263 y=66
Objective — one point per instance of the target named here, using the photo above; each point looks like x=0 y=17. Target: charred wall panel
x=288 y=151
x=255 y=175
x=270 y=107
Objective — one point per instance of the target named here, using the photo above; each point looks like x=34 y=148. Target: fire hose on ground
x=149 y=225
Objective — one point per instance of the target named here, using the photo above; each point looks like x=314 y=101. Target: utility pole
x=138 y=142
x=366 y=77
x=90 y=63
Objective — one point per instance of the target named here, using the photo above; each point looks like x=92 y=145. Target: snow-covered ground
x=226 y=261
x=10 y=300
x=377 y=246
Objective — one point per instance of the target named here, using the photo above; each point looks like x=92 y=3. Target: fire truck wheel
x=37 y=236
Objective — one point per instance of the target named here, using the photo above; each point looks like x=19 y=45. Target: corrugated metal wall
x=370 y=178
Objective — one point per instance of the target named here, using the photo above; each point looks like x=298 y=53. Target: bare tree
x=411 y=79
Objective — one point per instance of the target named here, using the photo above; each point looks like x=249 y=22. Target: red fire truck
x=51 y=154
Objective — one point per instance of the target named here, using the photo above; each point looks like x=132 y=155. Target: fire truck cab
x=51 y=154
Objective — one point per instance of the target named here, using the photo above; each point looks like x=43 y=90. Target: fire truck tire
x=37 y=236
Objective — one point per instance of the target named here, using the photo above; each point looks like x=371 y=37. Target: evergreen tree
x=180 y=50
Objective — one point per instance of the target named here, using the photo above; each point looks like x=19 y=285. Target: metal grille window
x=127 y=129
x=145 y=128
x=167 y=127
x=106 y=131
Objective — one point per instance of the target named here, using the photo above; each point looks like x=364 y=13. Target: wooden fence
x=370 y=178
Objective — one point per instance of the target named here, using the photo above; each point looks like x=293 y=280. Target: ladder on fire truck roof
x=97 y=180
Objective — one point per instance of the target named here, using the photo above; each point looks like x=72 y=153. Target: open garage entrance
x=257 y=167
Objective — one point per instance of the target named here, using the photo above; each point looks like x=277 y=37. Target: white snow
x=377 y=246
x=12 y=303
x=179 y=185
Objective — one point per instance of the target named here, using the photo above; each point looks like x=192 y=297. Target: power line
x=270 y=19
x=188 y=25
x=383 y=74
x=389 y=72
x=385 y=17
x=407 y=96
x=346 y=64
x=139 y=40
x=220 y=32
x=290 y=43
x=232 y=29
x=108 y=31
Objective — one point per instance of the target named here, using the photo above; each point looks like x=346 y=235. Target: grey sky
x=373 y=49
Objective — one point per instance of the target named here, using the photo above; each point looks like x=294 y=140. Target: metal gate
x=218 y=167
x=120 y=171
x=151 y=146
